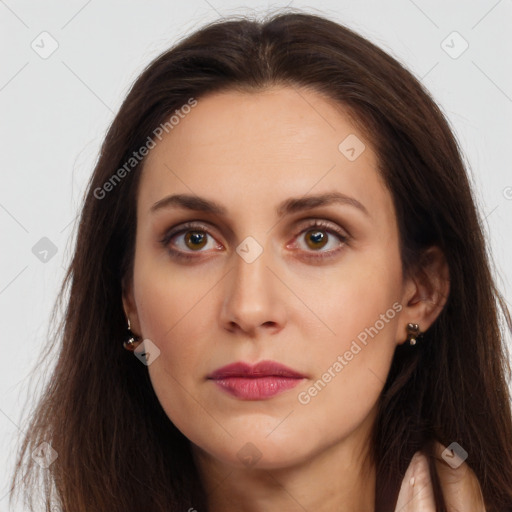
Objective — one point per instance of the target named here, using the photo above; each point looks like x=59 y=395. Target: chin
x=257 y=452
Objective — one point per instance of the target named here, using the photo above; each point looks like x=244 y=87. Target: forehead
x=241 y=147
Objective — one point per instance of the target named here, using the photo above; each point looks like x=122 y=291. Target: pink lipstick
x=263 y=380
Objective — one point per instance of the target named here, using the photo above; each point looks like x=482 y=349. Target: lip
x=255 y=382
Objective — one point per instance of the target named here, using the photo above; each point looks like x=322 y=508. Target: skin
x=249 y=152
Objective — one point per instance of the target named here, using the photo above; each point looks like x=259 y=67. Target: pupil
x=196 y=237
x=317 y=237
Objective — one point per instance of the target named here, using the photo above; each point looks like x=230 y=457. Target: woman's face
x=252 y=279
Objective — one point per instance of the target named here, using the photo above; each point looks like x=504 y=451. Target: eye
x=318 y=236
x=190 y=237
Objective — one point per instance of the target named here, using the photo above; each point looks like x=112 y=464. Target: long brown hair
x=117 y=449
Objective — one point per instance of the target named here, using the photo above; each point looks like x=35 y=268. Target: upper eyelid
x=184 y=227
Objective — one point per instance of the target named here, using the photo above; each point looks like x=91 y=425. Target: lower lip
x=257 y=388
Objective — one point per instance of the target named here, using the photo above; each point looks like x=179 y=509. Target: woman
x=281 y=216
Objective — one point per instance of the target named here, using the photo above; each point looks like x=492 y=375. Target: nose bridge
x=250 y=276
x=250 y=299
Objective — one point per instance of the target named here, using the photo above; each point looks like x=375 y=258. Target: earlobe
x=426 y=291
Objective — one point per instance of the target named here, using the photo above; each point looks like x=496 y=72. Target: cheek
x=360 y=309
x=356 y=296
x=169 y=298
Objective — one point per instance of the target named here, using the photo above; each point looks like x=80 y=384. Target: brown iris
x=316 y=237
x=197 y=238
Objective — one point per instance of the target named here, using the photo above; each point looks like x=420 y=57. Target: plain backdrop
x=66 y=67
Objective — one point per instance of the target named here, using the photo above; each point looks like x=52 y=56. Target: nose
x=254 y=303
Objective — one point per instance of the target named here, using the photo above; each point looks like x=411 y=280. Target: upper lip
x=261 y=369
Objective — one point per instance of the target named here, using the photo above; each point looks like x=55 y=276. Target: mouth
x=255 y=382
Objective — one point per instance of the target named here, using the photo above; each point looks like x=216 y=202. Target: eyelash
x=316 y=255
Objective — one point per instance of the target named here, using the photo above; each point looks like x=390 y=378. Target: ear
x=129 y=306
x=426 y=291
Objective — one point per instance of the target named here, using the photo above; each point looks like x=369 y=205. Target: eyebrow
x=288 y=206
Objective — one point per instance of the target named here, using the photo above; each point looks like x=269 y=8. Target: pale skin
x=249 y=152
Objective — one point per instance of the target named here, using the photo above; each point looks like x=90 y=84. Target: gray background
x=55 y=111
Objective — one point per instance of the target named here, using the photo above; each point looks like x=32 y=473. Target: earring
x=413 y=333
x=133 y=341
